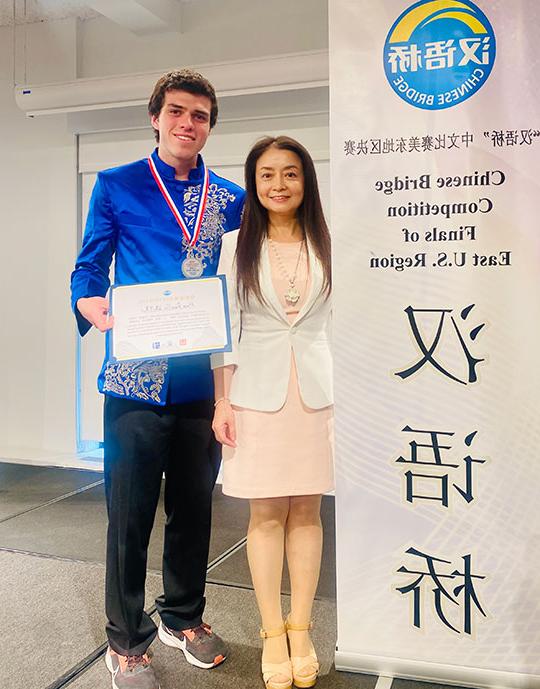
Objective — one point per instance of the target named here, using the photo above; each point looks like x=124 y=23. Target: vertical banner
x=435 y=144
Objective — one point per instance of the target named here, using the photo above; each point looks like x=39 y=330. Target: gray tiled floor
x=24 y=487
x=56 y=608
x=76 y=528
x=64 y=598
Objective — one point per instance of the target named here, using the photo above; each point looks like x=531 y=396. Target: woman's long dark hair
x=254 y=225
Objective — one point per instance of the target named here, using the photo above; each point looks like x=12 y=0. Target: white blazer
x=262 y=339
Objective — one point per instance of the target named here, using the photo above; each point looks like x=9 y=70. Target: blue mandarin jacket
x=129 y=220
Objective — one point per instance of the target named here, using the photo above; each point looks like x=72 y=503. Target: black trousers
x=143 y=441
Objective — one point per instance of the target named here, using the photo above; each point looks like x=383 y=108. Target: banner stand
x=430 y=672
x=435 y=187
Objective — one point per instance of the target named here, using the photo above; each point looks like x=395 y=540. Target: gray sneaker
x=200 y=645
x=131 y=672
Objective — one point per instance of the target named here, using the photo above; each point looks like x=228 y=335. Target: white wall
x=38 y=182
x=38 y=212
x=214 y=31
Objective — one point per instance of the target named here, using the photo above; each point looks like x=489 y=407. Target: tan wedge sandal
x=270 y=670
x=301 y=664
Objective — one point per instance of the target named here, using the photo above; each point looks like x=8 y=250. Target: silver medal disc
x=192 y=267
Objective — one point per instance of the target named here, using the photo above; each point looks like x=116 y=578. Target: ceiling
x=138 y=15
x=30 y=11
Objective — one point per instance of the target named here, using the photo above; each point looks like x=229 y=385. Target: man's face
x=183 y=125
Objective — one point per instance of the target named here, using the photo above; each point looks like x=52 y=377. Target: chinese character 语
x=439 y=54
x=434 y=575
x=432 y=457
x=511 y=137
x=428 y=351
x=405 y=58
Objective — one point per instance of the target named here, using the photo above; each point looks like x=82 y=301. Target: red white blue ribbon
x=190 y=239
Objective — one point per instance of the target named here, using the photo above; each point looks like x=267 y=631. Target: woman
x=273 y=408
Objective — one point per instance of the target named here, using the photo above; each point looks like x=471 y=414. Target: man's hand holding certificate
x=170 y=319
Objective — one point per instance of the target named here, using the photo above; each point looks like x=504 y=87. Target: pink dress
x=289 y=451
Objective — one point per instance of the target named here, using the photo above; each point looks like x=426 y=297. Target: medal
x=191 y=267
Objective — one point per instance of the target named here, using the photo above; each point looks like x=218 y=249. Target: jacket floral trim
x=141 y=380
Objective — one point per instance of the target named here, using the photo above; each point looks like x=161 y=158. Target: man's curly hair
x=182 y=80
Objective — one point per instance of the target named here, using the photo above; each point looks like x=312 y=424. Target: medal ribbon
x=191 y=240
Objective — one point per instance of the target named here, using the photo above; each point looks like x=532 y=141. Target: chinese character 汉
x=470 y=46
x=428 y=351
x=526 y=137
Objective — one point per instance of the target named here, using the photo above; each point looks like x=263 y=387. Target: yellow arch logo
x=433 y=11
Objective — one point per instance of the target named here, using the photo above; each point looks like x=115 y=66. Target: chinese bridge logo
x=438 y=53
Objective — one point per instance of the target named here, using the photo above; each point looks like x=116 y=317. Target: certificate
x=170 y=319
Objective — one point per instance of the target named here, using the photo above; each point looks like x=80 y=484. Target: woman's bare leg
x=303 y=543
x=265 y=549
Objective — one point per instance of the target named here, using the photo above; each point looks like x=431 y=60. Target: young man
x=158 y=413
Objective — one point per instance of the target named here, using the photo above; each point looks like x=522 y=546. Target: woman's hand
x=224 y=425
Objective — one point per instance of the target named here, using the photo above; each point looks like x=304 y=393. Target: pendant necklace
x=292 y=295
